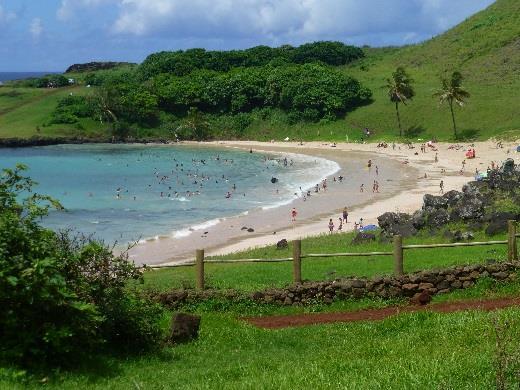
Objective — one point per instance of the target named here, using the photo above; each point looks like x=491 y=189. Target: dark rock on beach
x=362 y=238
x=282 y=244
x=396 y=224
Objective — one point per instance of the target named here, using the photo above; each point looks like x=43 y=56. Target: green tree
x=105 y=102
x=399 y=89
x=196 y=124
x=63 y=297
x=452 y=92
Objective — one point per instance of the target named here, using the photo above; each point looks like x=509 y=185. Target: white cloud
x=286 y=19
x=6 y=16
x=36 y=28
x=68 y=8
x=279 y=21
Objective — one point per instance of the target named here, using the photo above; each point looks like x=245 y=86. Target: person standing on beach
x=331 y=226
x=294 y=213
x=340 y=227
x=441 y=185
x=345 y=214
x=362 y=188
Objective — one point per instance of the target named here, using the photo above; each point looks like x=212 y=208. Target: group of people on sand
x=341 y=220
x=375 y=184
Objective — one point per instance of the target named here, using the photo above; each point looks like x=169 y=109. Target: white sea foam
x=201 y=226
x=181 y=199
x=305 y=178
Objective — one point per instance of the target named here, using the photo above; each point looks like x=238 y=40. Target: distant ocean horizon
x=8 y=76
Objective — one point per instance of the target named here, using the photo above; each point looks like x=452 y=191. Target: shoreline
x=274 y=224
x=408 y=199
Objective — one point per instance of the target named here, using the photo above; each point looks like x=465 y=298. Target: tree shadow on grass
x=92 y=370
x=467 y=135
x=414 y=131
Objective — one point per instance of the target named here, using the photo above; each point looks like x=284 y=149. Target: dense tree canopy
x=181 y=63
x=312 y=90
x=300 y=82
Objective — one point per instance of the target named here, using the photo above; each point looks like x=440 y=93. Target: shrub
x=62 y=297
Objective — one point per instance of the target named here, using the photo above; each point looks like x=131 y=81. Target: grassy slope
x=485 y=48
x=22 y=110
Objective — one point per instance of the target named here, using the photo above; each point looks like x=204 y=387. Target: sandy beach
x=405 y=175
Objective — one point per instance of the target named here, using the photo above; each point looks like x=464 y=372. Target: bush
x=69 y=109
x=63 y=297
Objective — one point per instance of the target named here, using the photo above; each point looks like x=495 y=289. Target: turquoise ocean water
x=125 y=193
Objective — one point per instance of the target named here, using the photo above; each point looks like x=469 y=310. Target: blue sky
x=49 y=35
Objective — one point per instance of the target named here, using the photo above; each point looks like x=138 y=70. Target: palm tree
x=452 y=91
x=400 y=89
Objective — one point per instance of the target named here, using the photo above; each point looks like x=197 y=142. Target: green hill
x=485 y=48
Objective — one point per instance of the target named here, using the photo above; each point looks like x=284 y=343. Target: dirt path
x=277 y=322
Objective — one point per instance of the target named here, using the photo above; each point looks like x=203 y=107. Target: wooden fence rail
x=397 y=253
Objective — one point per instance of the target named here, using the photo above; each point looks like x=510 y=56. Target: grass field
x=414 y=350
x=409 y=351
x=25 y=110
x=255 y=276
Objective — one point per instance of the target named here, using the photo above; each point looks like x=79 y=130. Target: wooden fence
x=397 y=253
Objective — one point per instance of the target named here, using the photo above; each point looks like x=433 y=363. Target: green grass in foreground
x=409 y=351
x=249 y=277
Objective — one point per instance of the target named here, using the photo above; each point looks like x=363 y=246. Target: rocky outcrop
x=498 y=222
x=393 y=224
x=406 y=286
x=468 y=206
x=94 y=66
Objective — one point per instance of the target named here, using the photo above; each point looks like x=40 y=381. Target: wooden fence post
x=297 y=261
x=199 y=268
x=398 y=255
x=512 y=251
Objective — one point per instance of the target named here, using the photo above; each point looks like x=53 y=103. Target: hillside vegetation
x=272 y=93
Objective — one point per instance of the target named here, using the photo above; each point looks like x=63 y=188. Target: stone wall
x=433 y=281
